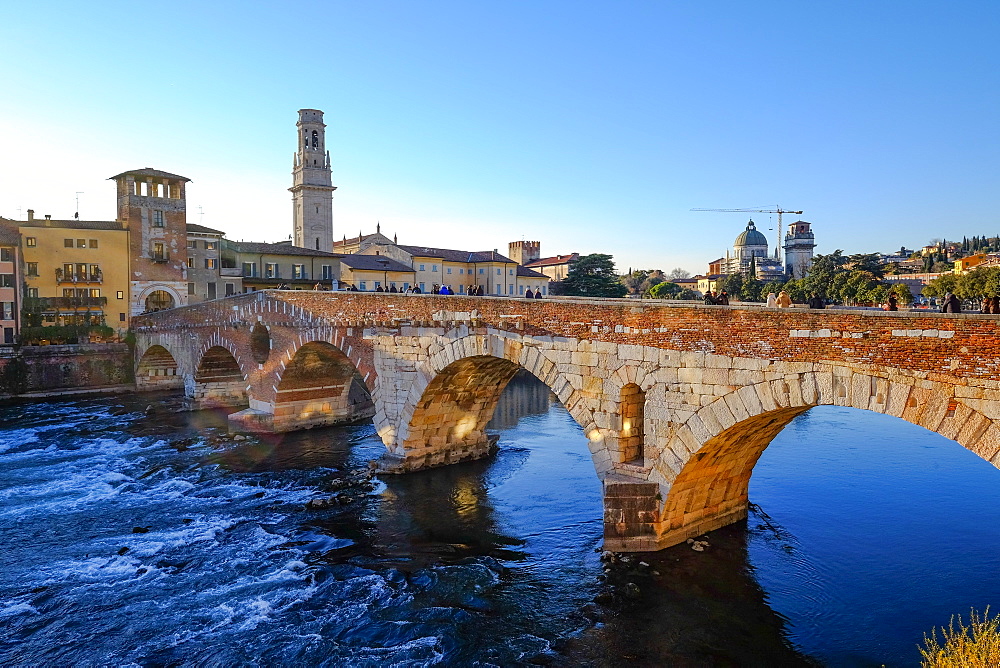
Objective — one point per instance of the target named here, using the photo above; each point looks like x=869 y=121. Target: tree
x=665 y=290
x=688 y=294
x=902 y=292
x=733 y=285
x=677 y=272
x=822 y=272
x=751 y=290
x=593 y=276
x=633 y=280
x=869 y=262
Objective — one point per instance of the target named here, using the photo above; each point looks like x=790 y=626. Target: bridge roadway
x=677 y=401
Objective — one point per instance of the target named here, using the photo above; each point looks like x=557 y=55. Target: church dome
x=750 y=237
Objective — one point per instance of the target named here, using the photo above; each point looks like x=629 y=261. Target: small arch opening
x=260 y=343
x=631 y=438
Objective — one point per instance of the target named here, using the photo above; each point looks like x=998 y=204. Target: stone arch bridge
x=677 y=401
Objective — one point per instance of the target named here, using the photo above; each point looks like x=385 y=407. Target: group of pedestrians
x=712 y=298
x=780 y=300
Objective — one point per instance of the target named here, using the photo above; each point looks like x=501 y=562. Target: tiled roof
x=374 y=263
x=524 y=271
x=456 y=255
x=73 y=224
x=276 y=249
x=149 y=171
x=201 y=229
x=556 y=259
x=9 y=236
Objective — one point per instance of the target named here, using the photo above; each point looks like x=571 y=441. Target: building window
x=157 y=218
x=32 y=269
x=422 y=288
x=68 y=292
x=121 y=317
x=434 y=267
x=363 y=286
x=481 y=270
x=190 y=288
x=33 y=293
x=406 y=286
x=6 y=280
x=93 y=243
x=81 y=243
x=327 y=272
x=8 y=311
x=271 y=270
x=510 y=272
x=421 y=267
x=211 y=291
x=299 y=271
x=230 y=289
x=31 y=242
x=68 y=243
x=192 y=243
x=8 y=335
x=250 y=269
x=159 y=252
x=191 y=263
x=121 y=294
x=6 y=254
x=510 y=289
x=94 y=292
x=449 y=270
x=461 y=289
x=498 y=271
x=211 y=245
x=520 y=289
x=209 y=263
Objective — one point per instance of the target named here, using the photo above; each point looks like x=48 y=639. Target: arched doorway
x=159 y=300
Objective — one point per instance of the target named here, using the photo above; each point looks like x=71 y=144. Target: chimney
x=48 y=216
x=31 y=214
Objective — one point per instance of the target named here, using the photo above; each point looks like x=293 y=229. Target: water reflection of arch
x=157 y=369
x=532 y=398
x=707 y=466
x=320 y=386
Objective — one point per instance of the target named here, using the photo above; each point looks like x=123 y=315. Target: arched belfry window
x=315 y=139
x=631 y=436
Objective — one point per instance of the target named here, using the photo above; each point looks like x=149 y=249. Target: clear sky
x=588 y=126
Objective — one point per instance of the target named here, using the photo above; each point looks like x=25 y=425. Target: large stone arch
x=704 y=472
x=454 y=395
x=319 y=385
x=218 y=379
x=157 y=369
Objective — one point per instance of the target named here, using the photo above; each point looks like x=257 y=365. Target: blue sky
x=591 y=127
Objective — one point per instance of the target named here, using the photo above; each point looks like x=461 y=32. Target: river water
x=153 y=539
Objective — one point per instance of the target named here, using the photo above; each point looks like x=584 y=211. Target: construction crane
x=777 y=209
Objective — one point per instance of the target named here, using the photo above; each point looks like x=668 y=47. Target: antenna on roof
x=201 y=215
x=77 y=214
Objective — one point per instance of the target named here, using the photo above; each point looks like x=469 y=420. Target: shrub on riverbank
x=974 y=646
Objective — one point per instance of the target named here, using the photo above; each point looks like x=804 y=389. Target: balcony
x=48 y=303
x=73 y=277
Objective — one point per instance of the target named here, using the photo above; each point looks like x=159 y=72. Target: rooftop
x=149 y=171
x=281 y=248
x=374 y=263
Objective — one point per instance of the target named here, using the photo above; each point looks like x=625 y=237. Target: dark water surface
x=154 y=540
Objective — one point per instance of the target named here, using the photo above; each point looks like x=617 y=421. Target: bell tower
x=312 y=185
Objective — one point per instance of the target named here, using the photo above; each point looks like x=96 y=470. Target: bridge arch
x=705 y=470
x=157 y=370
x=455 y=393
x=219 y=380
x=320 y=385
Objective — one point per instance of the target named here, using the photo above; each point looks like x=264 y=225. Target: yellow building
x=76 y=271
x=963 y=265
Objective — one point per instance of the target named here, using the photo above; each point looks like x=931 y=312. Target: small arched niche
x=631 y=438
x=260 y=343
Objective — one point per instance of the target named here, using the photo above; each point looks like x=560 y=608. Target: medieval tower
x=799 y=245
x=153 y=208
x=312 y=186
